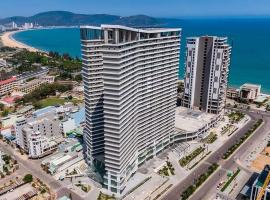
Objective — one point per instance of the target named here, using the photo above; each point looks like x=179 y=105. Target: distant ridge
x=64 y=18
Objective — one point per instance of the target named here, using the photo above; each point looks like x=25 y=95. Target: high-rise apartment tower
x=130 y=79
x=206 y=73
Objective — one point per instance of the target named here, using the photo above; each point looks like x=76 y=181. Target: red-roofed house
x=7 y=86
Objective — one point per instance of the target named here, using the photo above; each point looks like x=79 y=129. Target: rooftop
x=10 y=80
x=191 y=120
x=250 y=85
x=141 y=30
x=44 y=111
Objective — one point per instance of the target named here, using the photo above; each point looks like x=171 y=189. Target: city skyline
x=182 y=8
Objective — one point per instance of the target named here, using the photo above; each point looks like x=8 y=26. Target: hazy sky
x=164 y=8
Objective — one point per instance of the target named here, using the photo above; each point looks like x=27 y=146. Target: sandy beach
x=8 y=40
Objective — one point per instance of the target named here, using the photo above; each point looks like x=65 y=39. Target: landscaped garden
x=198 y=182
x=187 y=159
x=212 y=137
x=167 y=170
x=236 y=116
x=242 y=139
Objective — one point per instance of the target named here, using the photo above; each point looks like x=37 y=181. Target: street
x=34 y=168
x=216 y=157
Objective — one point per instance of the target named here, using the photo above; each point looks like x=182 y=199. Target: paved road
x=35 y=169
x=216 y=157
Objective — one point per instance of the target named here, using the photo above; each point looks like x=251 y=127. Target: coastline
x=9 y=41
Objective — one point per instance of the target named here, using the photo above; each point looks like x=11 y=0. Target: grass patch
x=242 y=139
x=185 y=160
x=52 y=101
x=230 y=180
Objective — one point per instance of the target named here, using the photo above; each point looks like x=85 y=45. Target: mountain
x=64 y=18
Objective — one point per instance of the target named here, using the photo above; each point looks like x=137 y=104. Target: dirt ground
x=262 y=160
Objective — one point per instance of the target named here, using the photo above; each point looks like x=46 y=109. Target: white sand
x=9 y=41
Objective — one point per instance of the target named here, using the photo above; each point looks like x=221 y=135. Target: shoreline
x=8 y=40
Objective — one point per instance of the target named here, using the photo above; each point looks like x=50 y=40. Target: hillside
x=64 y=18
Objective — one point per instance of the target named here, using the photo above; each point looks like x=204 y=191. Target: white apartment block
x=206 y=73
x=130 y=78
x=40 y=145
x=28 y=129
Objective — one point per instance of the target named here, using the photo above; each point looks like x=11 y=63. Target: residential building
x=48 y=79
x=7 y=86
x=27 y=87
x=3 y=63
x=232 y=93
x=26 y=111
x=206 y=73
x=249 y=91
x=42 y=130
x=39 y=145
x=130 y=87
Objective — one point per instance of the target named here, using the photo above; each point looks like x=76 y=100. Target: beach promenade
x=9 y=41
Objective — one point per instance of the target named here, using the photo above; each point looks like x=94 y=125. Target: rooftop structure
x=192 y=124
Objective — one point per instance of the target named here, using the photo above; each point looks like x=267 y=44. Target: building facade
x=32 y=133
x=249 y=92
x=7 y=86
x=206 y=73
x=130 y=80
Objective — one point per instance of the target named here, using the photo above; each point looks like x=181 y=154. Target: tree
x=2 y=106
x=5 y=113
x=28 y=178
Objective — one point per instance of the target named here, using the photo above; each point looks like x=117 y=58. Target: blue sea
x=250 y=39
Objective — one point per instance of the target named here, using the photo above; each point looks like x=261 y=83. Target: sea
x=249 y=37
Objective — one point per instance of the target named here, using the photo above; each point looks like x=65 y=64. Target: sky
x=156 y=8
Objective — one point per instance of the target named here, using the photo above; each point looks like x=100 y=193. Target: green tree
x=5 y=113
x=28 y=178
x=2 y=106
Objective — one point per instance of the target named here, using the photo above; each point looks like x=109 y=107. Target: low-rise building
x=48 y=79
x=26 y=111
x=249 y=92
x=35 y=135
x=27 y=87
x=3 y=63
x=193 y=124
x=7 y=86
x=39 y=145
x=232 y=93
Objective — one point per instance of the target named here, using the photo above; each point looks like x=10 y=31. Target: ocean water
x=250 y=38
